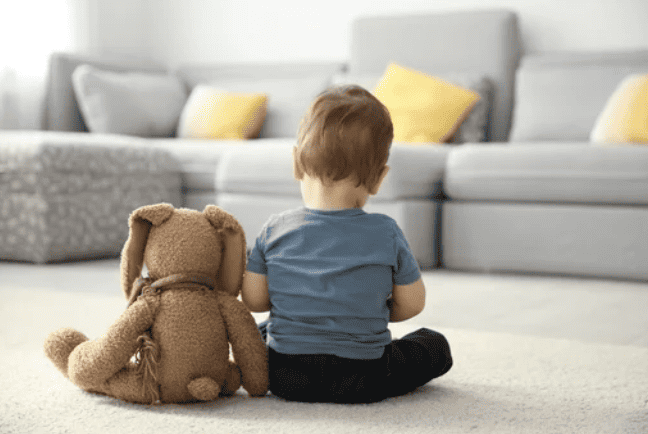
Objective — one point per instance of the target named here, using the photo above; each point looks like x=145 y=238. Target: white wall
x=178 y=31
x=112 y=27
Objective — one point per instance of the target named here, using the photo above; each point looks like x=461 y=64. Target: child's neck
x=333 y=195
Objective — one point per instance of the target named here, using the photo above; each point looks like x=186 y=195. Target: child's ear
x=297 y=172
x=376 y=186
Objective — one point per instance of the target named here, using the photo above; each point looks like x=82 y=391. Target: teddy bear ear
x=232 y=266
x=132 y=257
x=154 y=214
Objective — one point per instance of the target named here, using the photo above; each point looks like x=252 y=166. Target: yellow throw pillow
x=212 y=113
x=625 y=116
x=423 y=108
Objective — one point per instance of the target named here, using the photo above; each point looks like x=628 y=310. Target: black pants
x=406 y=364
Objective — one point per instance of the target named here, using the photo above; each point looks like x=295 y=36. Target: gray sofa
x=484 y=46
x=550 y=200
x=520 y=189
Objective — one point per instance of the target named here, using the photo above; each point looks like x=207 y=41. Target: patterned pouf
x=67 y=196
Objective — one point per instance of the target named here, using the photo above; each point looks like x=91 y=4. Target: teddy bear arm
x=92 y=363
x=248 y=348
x=232 y=379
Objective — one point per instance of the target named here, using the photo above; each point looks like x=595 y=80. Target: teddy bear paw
x=60 y=344
x=204 y=389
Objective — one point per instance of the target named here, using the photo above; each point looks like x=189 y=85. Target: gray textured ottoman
x=66 y=196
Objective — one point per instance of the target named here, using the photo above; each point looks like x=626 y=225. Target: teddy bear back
x=185 y=244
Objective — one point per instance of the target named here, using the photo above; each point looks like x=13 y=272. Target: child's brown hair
x=345 y=132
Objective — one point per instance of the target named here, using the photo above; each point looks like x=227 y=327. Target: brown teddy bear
x=172 y=343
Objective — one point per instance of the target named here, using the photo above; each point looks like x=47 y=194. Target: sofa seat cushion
x=566 y=172
x=68 y=196
x=198 y=158
x=415 y=172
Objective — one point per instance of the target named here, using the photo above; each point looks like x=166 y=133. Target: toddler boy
x=333 y=276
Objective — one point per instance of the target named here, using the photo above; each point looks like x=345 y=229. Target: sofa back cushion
x=289 y=87
x=61 y=109
x=476 y=42
x=559 y=96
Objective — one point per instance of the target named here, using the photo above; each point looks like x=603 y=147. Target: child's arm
x=407 y=301
x=254 y=292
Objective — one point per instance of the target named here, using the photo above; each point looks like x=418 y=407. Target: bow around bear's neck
x=148 y=286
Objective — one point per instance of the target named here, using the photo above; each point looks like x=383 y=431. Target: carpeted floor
x=500 y=383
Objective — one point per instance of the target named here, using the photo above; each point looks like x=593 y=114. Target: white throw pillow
x=135 y=103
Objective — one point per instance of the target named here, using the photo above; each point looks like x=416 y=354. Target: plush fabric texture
x=172 y=343
x=211 y=113
x=423 y=108
x=474 y=128
x=136 y=103
x=625 y=115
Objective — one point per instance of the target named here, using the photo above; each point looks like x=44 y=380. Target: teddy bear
x=172 y=343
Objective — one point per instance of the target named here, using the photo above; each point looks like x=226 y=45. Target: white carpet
x=500 y=383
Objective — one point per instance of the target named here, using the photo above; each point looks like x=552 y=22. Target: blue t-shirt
x=329 y=276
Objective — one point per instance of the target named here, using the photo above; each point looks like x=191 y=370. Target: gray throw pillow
x=135 y=103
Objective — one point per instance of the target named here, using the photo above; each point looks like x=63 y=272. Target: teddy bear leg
x=129 y=385
x=59 y=345
x=92 y=363
x=204 y=389
x=232 y=381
